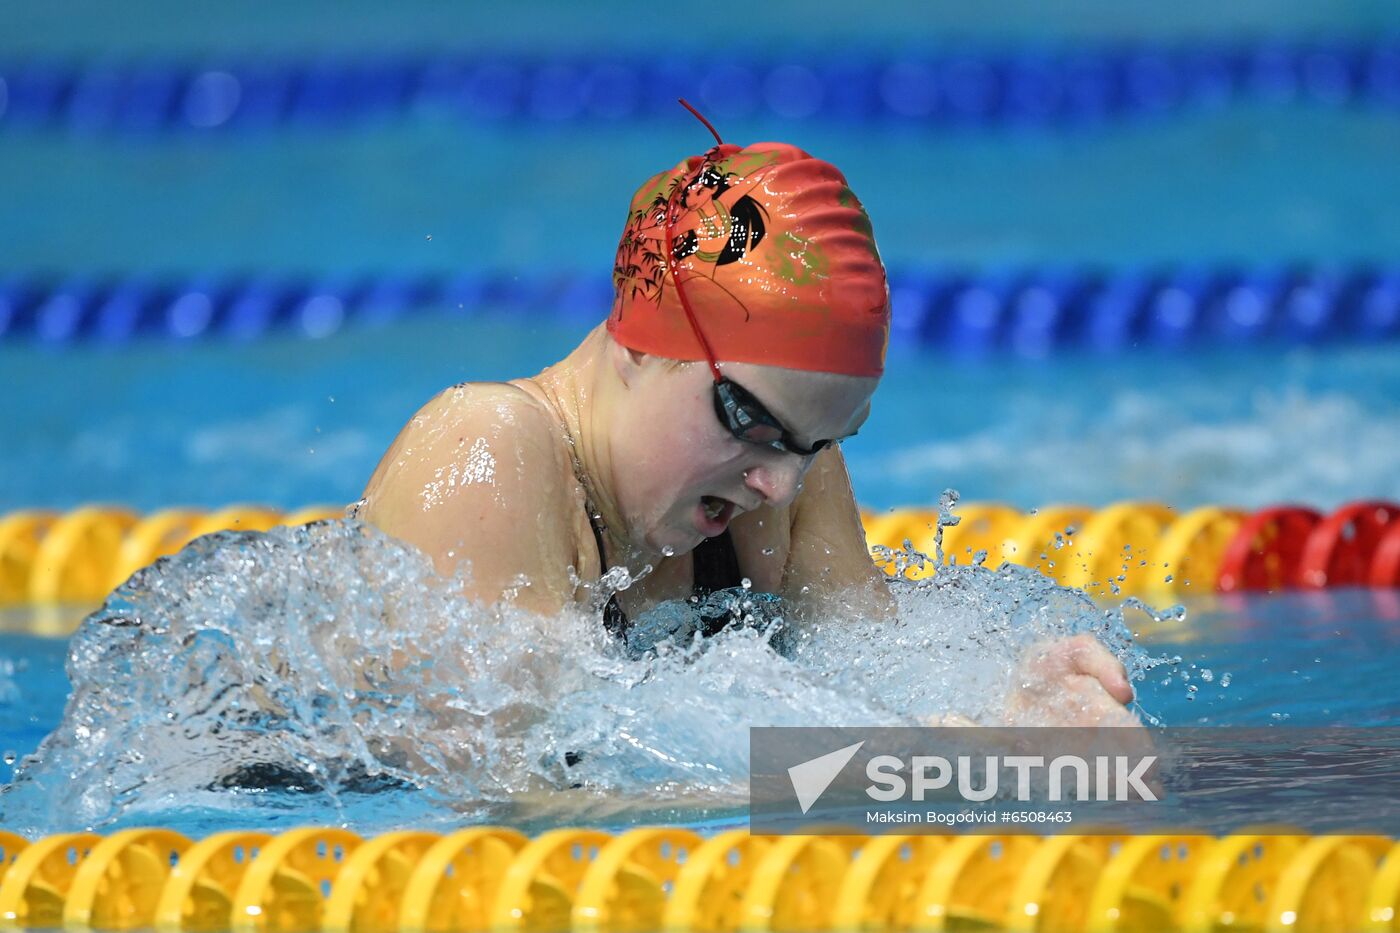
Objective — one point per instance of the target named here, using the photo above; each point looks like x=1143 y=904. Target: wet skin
x=498 y=475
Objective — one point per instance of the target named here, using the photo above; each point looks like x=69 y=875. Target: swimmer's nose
x=776 y=482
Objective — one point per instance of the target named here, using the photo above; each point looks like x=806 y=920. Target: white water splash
x=327 y=663
x=1321 y=448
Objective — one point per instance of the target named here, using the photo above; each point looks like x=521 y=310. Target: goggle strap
x=699 y=116
x=670 y=255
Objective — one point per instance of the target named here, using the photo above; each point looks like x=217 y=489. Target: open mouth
x=715 y=513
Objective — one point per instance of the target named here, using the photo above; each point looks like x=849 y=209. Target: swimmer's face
x=680 y=476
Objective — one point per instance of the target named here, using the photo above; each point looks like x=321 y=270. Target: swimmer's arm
x=829 y=564
x=462 y=482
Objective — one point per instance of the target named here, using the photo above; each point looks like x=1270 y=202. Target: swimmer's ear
x=627 y=362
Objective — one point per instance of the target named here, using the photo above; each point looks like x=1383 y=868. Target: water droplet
x=746 y=583
x=330 y=398
x=429 y=237
x=10 y=757
x=668 y=551
x=768 y=552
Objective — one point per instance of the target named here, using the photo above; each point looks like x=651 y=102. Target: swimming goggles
x=748 y=420
x=738 y=410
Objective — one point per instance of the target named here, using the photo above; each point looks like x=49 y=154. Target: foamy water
x=327 y=665
x=1269 y=445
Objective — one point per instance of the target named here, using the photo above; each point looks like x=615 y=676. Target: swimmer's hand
x=1070 y=682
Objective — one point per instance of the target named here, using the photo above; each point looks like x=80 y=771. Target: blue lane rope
x=1031 y=312
x=1050 y=87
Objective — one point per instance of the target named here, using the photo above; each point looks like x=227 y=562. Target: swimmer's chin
x=685 y=533
x=668 y=542
x=672 y=544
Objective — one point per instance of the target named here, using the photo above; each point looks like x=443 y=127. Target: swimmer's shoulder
x=503 y=405
x=467 y=416
x=519 y=429
x=484 y=404
x=479 y=472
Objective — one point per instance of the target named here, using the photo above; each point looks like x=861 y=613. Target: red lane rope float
x=1266 y=549
x=1385 y=562
x=1339 y=550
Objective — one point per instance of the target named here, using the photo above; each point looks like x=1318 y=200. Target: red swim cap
x=776 y=257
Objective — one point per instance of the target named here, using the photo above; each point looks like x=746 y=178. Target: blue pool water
x=289 y=422
x=1257 y=183
x=672 y=732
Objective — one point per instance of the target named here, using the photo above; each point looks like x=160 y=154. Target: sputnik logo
x=811 y=778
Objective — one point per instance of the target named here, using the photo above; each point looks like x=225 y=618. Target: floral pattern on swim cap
x=775 y=254
x=722 y=233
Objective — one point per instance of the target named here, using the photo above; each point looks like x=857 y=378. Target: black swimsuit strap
x=598 y=539
x=715 y=567
x=614 y=619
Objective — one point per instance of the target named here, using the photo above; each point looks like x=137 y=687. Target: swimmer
x=698 y=430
